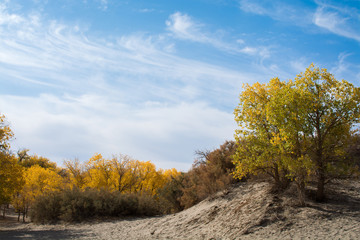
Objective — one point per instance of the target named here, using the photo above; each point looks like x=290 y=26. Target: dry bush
x=211 y=172
x=75 y=205
x=46 y=209
x=170 y=194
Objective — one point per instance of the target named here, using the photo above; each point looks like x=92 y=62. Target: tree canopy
x=296 y=129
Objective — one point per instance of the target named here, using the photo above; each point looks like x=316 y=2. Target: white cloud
x=146 y=10
x=341 y=66
x=300 y=64
x=10 y=19
x=341 y=21
x=74 y=94
x=278 y=10
x=184 y=27
x=240 y=41
x=338 y=20
x=253 y=7
x=79 y=126
x=65 y=58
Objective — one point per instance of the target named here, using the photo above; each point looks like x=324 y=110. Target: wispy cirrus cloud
x=52 y=54
x=278 y=10
x=338 y=20
x=76 y=94
x=184 y=27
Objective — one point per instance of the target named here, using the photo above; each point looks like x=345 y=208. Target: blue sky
x=155 y=80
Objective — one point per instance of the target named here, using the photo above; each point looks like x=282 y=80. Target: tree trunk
x=277 y=176
x=301 y=192
x=320 y=194
x=24 y=213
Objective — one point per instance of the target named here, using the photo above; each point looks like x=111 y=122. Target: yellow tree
x=38 y=181
x=256 y=152
x=286 y=111
x=147 y=176
x=301 y=126
x=98 y=172
x=5 y=134
x=333 y=109
x=122 y=173
x=77 y=173
x=31 y=160
x=164 y=177
x=11 y=178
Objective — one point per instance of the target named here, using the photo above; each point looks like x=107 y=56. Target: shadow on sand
x=41 y=234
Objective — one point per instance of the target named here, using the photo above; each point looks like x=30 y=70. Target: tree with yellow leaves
x=77 y=173
x=98 y=172
x=122 y=173
x=299 y=127
x=5 y=134
x=38 y=181
x=331 y=112
x=11 y=178
x=256 y=152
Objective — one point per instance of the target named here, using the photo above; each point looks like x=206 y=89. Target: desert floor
x=246 y=211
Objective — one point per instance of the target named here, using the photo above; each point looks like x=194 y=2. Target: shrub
x=75 y=205
x=210 y=173
x=47 y=208
x=170 y=194
x=147 y=205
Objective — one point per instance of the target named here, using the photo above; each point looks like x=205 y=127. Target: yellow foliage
x=5 y=134
x=11 y=177
x=298 y=126
x=77 y=173
x=39 y=180
x=98 y=172
x=121 y=173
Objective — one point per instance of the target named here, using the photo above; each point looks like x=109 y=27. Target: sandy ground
x=247 y=211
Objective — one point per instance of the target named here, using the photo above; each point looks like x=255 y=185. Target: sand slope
x=246 y=211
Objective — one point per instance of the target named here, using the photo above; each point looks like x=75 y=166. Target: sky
x=155 y=79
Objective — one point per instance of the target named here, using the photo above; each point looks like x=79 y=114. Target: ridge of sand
x=246 y=211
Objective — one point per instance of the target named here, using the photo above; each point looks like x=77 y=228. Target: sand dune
x=246 y=211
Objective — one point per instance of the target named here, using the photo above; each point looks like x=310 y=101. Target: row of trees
x=297 y=130
x=25 y=178
x=121 y=173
